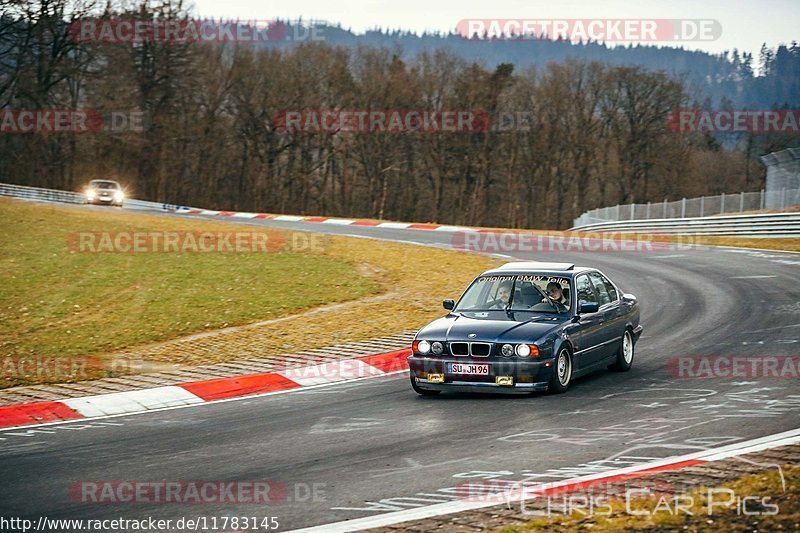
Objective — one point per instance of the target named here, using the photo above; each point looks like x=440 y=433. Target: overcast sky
x=745 y=24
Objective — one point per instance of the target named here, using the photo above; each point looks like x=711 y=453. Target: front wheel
x=562 y=373
x=625 y=353
x=422 y=392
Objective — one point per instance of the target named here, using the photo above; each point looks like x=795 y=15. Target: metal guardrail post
x=762 y=199
x=702 y=205
x=648 y=210
x=722 y=203
x=633 y=210
x=683 y=208
x=741 y=202
x=665 y=208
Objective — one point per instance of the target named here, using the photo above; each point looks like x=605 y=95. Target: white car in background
x=104 y=192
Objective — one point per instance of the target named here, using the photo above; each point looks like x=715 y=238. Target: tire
x=423 y=392
x=562 y=373
x=625 y=353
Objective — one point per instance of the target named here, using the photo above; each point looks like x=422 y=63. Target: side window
x=612 y=292
x=585 y=290
x=602 y=292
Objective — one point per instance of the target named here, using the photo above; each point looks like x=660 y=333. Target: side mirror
x=629 y=298
x=448 y=304
x=588 y=307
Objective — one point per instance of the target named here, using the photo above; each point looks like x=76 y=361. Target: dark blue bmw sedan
x=524 y=327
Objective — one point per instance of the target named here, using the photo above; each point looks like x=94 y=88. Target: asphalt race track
x=368 y=447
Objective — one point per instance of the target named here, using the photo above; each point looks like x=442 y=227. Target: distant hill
x=726 y=79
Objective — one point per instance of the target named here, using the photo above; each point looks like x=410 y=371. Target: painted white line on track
x=752 y=277
x=396 y=517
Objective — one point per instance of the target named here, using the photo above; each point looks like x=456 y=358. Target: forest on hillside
x=595 y=132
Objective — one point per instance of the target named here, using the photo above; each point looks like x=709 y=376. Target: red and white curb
x=324 y=220
x=567 y=485
x=198 y=392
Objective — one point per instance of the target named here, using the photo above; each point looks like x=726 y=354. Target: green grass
x=65 y=308
x=55 y=301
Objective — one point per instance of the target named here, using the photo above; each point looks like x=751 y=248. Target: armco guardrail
x=36 y=193
x=755 y=225
x=702 y=206
x=54 y=195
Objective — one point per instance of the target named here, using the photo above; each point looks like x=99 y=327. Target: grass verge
x=59 y=305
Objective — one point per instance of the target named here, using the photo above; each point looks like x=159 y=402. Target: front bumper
x=98 y=200
x=527 y=375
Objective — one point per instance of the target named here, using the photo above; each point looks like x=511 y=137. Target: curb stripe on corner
x=326 y=220
x=198 y=392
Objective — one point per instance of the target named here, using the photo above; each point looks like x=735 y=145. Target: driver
x=556 y=293
x=503 y=295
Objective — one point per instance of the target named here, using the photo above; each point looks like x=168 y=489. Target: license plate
x=468 y=369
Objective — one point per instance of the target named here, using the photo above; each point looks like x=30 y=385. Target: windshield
x=101 y=184
x=530 y=292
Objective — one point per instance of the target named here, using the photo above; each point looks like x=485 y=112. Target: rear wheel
x=562 y=373
x=625 y=353
x=420 y=391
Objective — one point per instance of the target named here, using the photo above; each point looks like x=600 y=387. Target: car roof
x=525 y=267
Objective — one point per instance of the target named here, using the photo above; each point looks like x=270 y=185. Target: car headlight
x=118 y=196
x=423 y=347
x=90 y=194
x=437 y=348
x=523 y=350
x=507 y=350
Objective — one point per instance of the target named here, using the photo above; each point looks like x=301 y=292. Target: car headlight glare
x=437 y=348
x=118 y=196
x=507 y=350
x=424 y=347
x=90 y=194
x=523 y=350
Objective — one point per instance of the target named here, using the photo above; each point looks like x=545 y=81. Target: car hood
x=496 y=328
